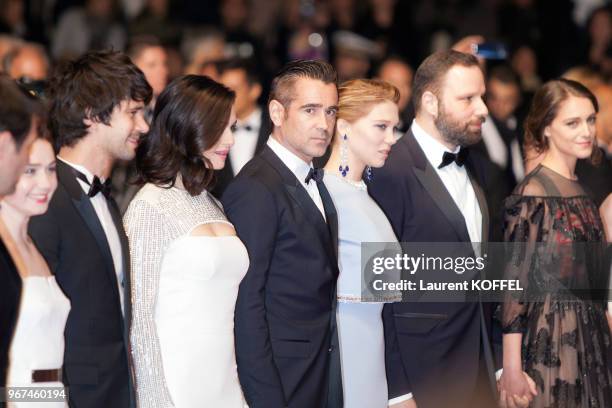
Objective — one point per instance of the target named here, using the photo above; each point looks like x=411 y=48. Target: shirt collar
x=297 y=166
x=433 y=149
x=88 y=174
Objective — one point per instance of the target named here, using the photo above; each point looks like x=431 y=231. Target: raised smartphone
x=491 y=50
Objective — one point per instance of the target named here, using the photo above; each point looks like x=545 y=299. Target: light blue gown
x=360 y=327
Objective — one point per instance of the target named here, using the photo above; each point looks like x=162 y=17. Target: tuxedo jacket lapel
x=430 y=180
x=331 y=215
x=88 y=213
x=125 y=252
x=228 y=169
x=127 y=291
x=265 y=129
x=303 y=199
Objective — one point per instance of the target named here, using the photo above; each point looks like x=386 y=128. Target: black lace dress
x=559 y=259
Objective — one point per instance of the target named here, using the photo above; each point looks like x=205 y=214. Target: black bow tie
x=246 y=128
x=96 y=186
x=458 y=158
x=314 y=174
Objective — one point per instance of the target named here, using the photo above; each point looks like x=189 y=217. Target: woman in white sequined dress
x=187 y=261
x=367 y=116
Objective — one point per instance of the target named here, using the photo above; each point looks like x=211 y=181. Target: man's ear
x=88 y=120
x=429 y=102
x=277 y=112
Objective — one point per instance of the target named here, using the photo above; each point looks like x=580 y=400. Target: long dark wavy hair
x=189 y=118
x=90 y=87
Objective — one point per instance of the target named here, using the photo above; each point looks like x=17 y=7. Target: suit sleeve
x=251 y=207
x=397 y=381
x=388 y=190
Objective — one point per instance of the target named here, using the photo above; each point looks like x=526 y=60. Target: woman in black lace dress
x=556 y=331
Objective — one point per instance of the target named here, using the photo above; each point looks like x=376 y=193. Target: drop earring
x=368 y=173
x=343 y=168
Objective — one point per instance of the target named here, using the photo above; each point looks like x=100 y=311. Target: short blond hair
x=357 y=97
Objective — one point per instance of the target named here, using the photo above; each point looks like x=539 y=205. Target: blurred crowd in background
x=545 y=37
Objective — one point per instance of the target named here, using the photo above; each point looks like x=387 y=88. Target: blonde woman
x=367 y=116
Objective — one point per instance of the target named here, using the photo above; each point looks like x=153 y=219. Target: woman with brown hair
x=367 y=116
x=37 y=347
x=556 y=329
x=187 y=261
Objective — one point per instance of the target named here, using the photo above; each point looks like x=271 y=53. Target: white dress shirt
x=245 y=141
x=458 y=184
x=497 y=150
x=456 y=180
x=518 y=167
x=300 y=169
x=100 y=205
x=494 y=143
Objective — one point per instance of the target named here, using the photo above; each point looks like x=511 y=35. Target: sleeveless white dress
x=184 y=290
x=38 y=341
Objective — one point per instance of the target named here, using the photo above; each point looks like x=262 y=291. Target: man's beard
x=455 y=132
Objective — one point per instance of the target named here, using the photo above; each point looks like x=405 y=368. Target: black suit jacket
x=72 y=240
x=284 y=319
x=433 y=350
x=225 y=176
x=10 y=294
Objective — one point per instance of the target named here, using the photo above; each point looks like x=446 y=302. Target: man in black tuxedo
x=439 y=354
x=17 y=132
x=252 y=122
x=96 y=117
x=286 y=339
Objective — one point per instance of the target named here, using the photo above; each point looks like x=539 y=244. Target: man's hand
x=411 y=403
x=466 y=43
x=516 y=389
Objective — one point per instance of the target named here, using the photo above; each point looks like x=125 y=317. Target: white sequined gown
x=184 y=289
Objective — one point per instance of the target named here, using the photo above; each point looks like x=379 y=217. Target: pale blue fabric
x=360 y=328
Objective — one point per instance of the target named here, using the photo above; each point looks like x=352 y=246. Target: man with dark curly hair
x=96 y=105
